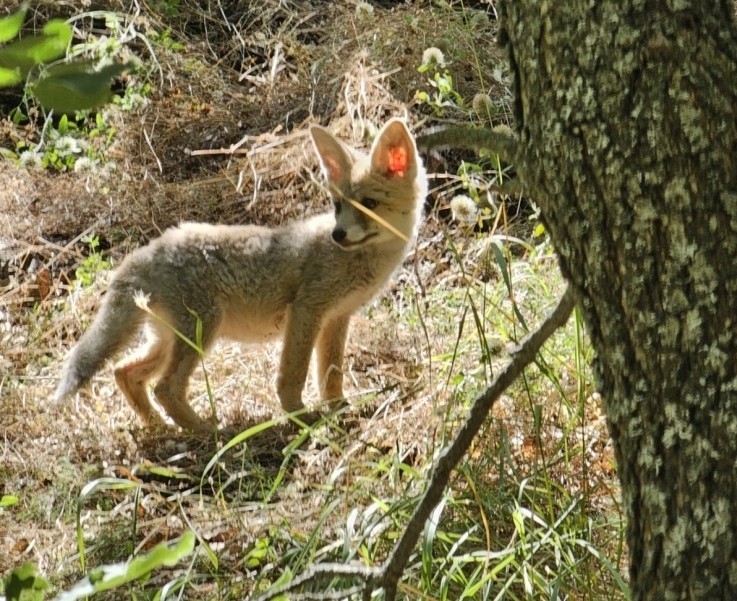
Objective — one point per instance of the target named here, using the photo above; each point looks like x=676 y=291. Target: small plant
x=63 y=87
x=93 y=264
x=165 y=40
x=167 y=8
x=63 y=82
x=23 y=584
x=445 y=95
x=109 y=577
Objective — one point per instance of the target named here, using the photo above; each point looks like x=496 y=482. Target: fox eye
x=337 y=206
x=369 y=203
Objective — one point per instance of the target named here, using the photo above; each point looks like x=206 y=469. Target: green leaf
x=10 y=25
x=112 y=576
x=9 y=77
x=164 y=472
x=34 y=50
x=22 y=584
x=8 y=500
x=504 y=268
x=75 y=87
x=104 y=483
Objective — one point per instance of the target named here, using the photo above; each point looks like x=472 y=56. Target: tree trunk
x=626 y=112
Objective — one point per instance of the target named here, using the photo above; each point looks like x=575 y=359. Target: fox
x=300 y=282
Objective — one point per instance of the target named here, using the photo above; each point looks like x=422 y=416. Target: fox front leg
x=330 y=351
x=301 y=331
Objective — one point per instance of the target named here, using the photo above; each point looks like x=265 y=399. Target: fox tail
x=114 y=325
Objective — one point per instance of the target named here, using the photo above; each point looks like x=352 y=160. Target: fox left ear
x=394 y=153
x=335 y=158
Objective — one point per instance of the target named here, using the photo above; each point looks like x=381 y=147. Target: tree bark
x=626 y=116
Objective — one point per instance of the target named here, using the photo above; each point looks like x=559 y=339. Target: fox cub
x=301 y=282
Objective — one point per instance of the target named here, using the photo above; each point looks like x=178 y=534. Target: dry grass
x=223 y=139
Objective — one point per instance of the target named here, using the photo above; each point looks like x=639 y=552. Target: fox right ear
x=394 y=153
x=335 y=159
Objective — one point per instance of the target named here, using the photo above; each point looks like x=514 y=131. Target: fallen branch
x=387 y=577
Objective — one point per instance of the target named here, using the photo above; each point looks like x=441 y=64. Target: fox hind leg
x=132 y=376
x=171 y=389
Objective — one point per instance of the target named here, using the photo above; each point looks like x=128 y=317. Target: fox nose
x=339 y=234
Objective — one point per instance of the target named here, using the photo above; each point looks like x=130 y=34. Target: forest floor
x=212 y=125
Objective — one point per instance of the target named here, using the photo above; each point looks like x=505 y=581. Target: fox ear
x=394 y=153
x=335 y=159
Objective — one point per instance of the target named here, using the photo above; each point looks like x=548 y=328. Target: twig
x=387 y=577
x=236 y=148
x=151 y=146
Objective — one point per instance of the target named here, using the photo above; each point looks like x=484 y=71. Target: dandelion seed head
x=433 y=56
x=463 y=209
x=364 y=10
x=142 y=299
x=30 y=159
x=67 y=145
x=483 y=105
x=84 y=164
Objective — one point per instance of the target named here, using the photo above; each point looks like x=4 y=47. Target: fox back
x=301 y=282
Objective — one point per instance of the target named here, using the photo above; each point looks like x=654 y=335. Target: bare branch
x=356 y=571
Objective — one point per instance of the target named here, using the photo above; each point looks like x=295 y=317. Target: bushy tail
x=114 y=325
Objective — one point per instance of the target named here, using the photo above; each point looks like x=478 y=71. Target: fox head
x=377 y=197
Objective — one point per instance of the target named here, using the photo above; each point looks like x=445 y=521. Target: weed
x=444 y=95
x=165 y=40
x=24 y=584
x=93 y=264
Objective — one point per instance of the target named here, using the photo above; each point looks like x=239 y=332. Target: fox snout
x=339 y=235
x=352 y=237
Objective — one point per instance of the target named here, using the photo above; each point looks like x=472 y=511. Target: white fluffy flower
x=84 y=164
x=463 y=209
x=30 y=159
x=364 y=10
x=433 y=56
x=67 y=145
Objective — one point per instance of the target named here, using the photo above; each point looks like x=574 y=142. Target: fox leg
x=330 y=351
x=301 y=332
x=132 y=375
x=171 y=389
